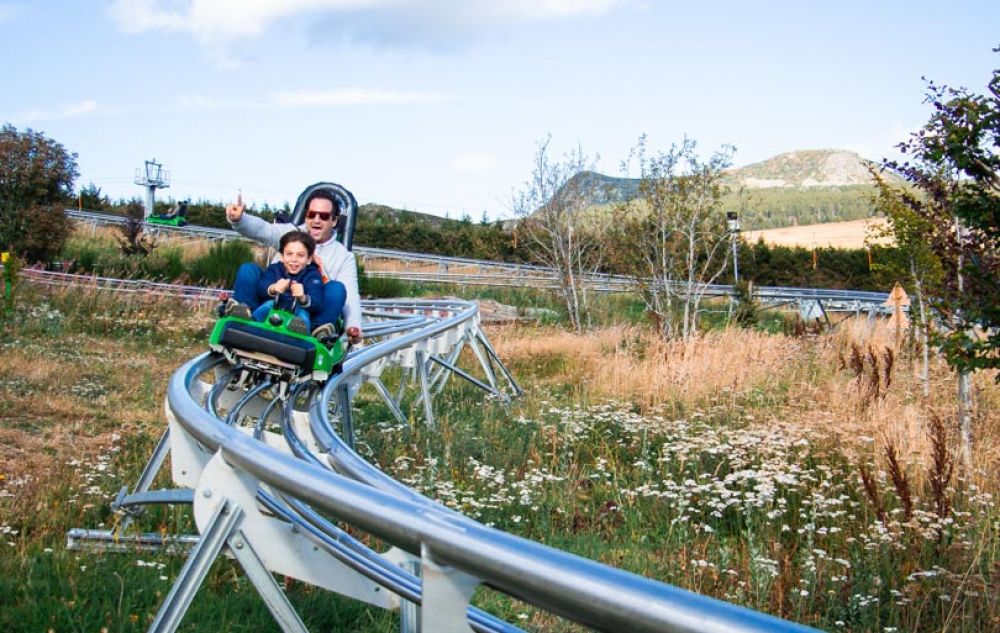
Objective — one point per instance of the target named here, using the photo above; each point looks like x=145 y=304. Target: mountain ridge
x=791 y=188
x=806 y=168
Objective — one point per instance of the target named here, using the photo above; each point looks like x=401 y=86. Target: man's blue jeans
x=245 y=291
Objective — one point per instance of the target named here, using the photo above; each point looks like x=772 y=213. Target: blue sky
x=438 y=105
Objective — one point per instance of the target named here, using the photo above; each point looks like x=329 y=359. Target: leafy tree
x=748 y=309
x=673 y=239
x=552 y=227
x=909 y=261
x=92 y=199
x=954 y=166
x=36 y=181
x=130 y=237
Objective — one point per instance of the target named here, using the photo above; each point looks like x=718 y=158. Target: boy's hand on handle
x=281 y=285
x=235 y=210
x=354 y=335
x=297 y=290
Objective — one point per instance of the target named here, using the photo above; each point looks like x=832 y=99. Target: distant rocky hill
x=798 y=187
x=805 y=168
x=380 y=214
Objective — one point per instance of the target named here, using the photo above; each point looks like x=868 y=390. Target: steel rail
x=528 y=274
x=338 y=543
x=576 y=588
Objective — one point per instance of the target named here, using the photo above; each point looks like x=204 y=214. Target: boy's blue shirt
x=309 y=277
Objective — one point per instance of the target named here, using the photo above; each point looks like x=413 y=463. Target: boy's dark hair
x=297 y=236
x=323 y=194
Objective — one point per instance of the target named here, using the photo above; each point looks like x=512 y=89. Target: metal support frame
x=405 y=378
x=446 y=596
x=421 y=356
x=483 y=361
x=111 y=541
x=223 y=529
x=409 y=612
x=123 y=502
x=389 y=401
x=441 y=376
x=344 y=409
x=496 y=357
x=229 y=518
x=453 y=369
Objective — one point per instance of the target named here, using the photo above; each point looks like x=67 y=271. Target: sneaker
x=324 y=332
x=222 y=309
x=236 y=309
x=297 y=325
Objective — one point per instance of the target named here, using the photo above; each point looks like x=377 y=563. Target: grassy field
x=850 y=234
x=806 y=475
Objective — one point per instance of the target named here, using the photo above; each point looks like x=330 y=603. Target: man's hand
x=319 y=265
x=297 y=290
x=354 y=335
x=235 y=210
x=280 y=286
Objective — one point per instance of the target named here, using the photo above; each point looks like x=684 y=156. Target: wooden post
x=897 y=300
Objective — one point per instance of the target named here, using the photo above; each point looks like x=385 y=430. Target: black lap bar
x=258 y=339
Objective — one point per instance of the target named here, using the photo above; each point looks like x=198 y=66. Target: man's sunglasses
x=322 y=215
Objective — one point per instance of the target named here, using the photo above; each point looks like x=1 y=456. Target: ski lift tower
x=152 y=177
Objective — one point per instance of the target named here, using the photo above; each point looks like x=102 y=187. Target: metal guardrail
x=128 y=286
x=492 y=273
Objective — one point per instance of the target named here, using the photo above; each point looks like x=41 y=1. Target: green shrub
x=379 y=287
x=747 y=311
x=219 y=265
x=167 y=264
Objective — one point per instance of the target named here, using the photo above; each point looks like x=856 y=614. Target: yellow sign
x=898 y=297
x=897 y=301
x=4 y=257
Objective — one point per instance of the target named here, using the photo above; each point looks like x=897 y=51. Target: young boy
x=294 y=284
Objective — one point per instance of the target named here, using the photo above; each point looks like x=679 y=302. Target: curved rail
x=310 y=477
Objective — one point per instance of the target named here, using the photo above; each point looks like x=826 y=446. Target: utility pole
x=152 y=177
x=734 y=233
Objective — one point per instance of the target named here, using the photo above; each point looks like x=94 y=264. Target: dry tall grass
x=808 y=382
x=192 y=247
x=632 y=363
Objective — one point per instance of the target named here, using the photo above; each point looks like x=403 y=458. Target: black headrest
x=347 y=207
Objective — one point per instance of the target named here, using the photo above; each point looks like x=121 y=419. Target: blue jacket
x=312 y=287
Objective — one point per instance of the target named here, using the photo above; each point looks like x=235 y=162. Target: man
x=336 y=263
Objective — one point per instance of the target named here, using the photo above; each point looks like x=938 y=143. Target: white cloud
x=354 y=96
x=69 y=111
x=218 y=19
x=138 y=16
x=543 y=9
x=212 y=21
x=475 y=163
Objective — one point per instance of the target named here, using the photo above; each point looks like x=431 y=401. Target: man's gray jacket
x=338 y=262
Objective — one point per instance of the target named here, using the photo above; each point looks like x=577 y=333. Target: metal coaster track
x=272 y=481
x=465 y=271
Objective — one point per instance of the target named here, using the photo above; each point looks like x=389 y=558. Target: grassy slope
x=727 y=467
